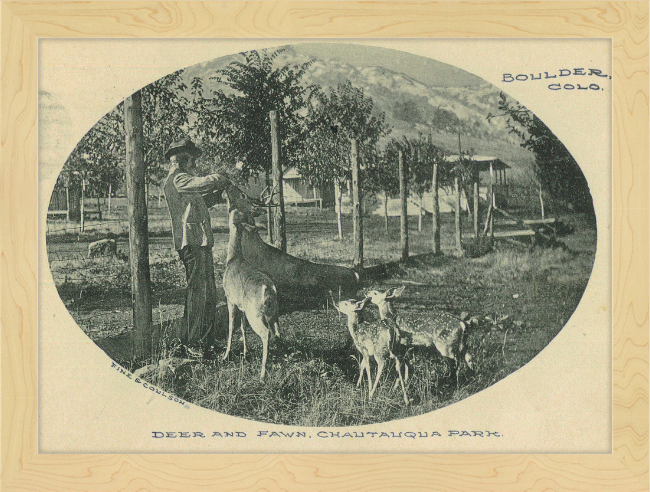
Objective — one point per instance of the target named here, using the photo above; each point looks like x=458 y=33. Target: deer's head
x=248 y=208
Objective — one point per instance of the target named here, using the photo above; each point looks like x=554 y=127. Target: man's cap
x=184 y=145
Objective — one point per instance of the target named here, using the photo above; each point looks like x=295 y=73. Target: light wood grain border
x=24 y=469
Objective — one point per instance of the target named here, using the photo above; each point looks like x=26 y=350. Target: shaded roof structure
x=291 y=173
x=482 y=162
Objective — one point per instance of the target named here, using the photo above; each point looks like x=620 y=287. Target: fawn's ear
x=374 y=294
x=336 y=306
x=396 y=292
x=359 y=305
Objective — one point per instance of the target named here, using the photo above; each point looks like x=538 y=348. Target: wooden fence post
x=457 y=214
x=492 y=200
x=269 y=214
x=138 y=226
x=436 y=210
x=279 y=224
x=386 y=212
x=338 y=205
x=82 y=204
x=476 y=179
x=403 y=196
x=67 y=202
x=357 y=219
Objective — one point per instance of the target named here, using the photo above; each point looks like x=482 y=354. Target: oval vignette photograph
x=320 y=234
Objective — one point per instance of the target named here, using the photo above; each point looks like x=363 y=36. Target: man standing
x=188 y=198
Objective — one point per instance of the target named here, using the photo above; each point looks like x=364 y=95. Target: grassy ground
x=522 y=298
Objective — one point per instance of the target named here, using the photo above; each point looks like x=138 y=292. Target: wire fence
x=96 y=287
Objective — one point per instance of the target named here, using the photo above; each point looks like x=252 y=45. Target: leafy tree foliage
x=555 y=168
x=235 y=125
x=165 y=114
x=420 y=155
x=335 y=117
x=99 y=157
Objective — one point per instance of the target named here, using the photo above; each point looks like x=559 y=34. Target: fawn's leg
x=366 y=359
x=399 y=374
x=362 y=366
x=380 y=367
x=469 y=361
x=406 y=375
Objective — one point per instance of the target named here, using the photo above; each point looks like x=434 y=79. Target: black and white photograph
x=323 y=235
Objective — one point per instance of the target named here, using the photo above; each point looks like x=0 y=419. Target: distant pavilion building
x=490 y=164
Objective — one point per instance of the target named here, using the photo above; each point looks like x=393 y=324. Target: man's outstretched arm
x=186 y=183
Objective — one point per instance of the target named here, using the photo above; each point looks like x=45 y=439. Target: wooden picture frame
x=626 y=24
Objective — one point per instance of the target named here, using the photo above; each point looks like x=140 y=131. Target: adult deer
x=377 y=339
x=440 y=329
x=250 y=293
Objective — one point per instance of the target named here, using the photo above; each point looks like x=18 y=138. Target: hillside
x=411 y=106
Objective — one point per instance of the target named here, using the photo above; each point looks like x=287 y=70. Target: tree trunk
x=420 y=214
x=339 y=201
x=357 y=219
x=403 y=196
x=99 y=207
x=138 y=227
x=386 y=211
x=436 y=210
x=110 y=192
x=541 y=201
x=279 y=223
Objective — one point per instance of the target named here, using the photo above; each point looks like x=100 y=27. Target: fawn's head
x=350 y=307
x=383 y=298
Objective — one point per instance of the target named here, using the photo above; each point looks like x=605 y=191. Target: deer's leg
x=265 y=351
x=380 y=367
x=242 y=327
x=232 y=312
x=261 y=329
